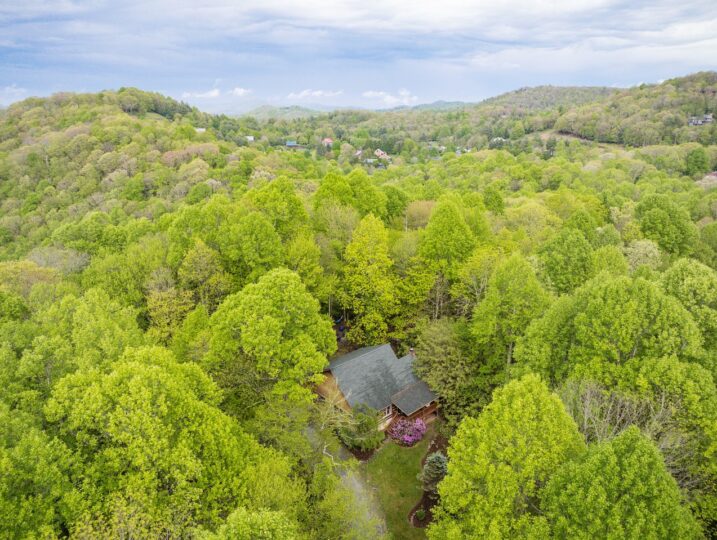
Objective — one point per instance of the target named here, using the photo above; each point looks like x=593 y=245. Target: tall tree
x=251 y=247
x=368 y=287
x=447 y=240
x=664 y=221
x=567 y=260
x=499 y=461
x=271 y=334
x=619 y=489
x=513 y=299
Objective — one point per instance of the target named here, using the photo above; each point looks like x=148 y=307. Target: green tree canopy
x=605 y=324
x=619 y=489
x=447 y=240
x=567 y=260
x=499 y=462
x=368 y=287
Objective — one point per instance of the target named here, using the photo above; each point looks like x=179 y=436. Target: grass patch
x=392 y=472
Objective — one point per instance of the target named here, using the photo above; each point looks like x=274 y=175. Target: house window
x=386 y=413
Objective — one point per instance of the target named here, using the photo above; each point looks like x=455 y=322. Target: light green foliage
x=643 y=254
x=619 y=489
x=339 y=512
x=697 y=162
x=303 y=256
x=276 y=325
x=499 y=462
x=148 y=436
x=695 y=286
x=251 y=247
x=191 y=340
x=36 y=492
x=166 y=310
x=605 y=324
x=98 y=327
x=260 y=525
x=610 y=259
x=447 y=241
x=663 y=221
x=473 y=276
x=122 y=225
x=278 y=201
x=567 y=260
x=582 y=221
x=493 y=200
x=368 y=199
x=368 y=284
x=334 y=188
x=513 y=299
x=124 y=275
x=202 y=274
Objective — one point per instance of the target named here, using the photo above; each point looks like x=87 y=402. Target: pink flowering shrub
x=408 y=432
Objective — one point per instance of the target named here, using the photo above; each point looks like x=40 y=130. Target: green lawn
x=392 y=471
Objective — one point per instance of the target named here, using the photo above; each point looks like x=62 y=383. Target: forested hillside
x=672 y=112
x=171 y=293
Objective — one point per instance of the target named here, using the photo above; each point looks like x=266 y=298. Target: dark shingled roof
x=376 y=377
x=412 y=398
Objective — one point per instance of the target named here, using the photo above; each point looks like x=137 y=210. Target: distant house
x=374 y=376
x=700 y=120
x=200 y=130
x=250 y=138
x=358 y=154
x=293 y=145
x=380 y=154
x=327 y=142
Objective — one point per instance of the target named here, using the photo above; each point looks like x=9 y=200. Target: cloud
x=11 y=94
x=209 y=94
x=404 y=97
x=240 y=92
x=454 y=49
x=316 y=94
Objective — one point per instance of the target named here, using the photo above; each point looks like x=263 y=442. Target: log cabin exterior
x=376 y=377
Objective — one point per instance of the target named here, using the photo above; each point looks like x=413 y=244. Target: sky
x=233 y=55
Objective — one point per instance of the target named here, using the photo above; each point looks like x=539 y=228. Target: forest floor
x=392 y=472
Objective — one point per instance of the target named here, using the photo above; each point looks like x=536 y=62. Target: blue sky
x=230 y=56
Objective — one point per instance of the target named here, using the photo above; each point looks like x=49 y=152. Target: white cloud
x=209 y=94
x=240 y=92
x=404 y=97
x=12 y=93
x=315 y=94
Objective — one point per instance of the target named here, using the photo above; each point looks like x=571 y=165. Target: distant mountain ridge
x=291 y=112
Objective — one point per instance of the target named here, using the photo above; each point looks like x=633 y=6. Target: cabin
x=293 y=145
x=327 y=142
x=376 y=377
